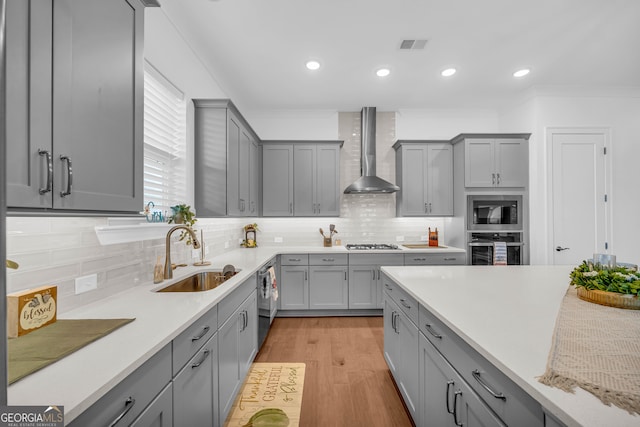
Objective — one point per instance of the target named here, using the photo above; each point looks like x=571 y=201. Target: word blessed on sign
x=30 y=310
x=272 y=390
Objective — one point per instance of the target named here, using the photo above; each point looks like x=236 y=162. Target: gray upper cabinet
x=74 y=74
x=424 y=172
x=313 y=178
x=495 y=160
x=277 y=179
x=226 y=153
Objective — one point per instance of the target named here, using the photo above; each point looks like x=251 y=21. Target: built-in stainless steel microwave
x=494 y=212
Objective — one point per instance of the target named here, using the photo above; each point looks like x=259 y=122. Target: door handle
x=560 y=249
x=69 y=176
x=455 y=407
x=493 y=179
x=498 y=178
x=49 y=184
x=449 y=384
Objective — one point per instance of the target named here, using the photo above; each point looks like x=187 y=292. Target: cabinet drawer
x=405 y=301
x=294 y=259
x=231 y=302
x=375 y=259
x=190 y=340
x=132 y=395
x=505 y=398
x=329 y=259
x=456 y=258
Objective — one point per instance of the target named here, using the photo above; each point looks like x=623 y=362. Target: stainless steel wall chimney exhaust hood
x=369 y=182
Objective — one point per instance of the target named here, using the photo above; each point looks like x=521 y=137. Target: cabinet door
x=98 y=105
x=248 y=339
x=193 y=388
x=244 y=177
x=408 y=383
x=234 y=141
x=294 y=288
x=328 y=287
x=327 y=190
x=439 y=179
x=363 y=287
x=414 y=181
x=254 y=178
x=447 y=400
x=277 y=180
x=159 y=413
x=229 y=378
x=511 y=162
x=391 y=340
x=28 y=96
x=479 y=169
x=304 y=180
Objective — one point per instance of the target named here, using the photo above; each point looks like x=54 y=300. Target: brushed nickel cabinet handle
x=419 y=259
x=498 y=178
x=128 y=404
x=204 y=332
x=202 y=359
x=430 y=210
x=291 y=207
x=374 y=274
x=476 y=375
x=386 y=285
x=450 y=259
x=295 y=259
x=49 y=186
x=328 y=259
x=449 y=384
x=425 y=208
x=432 y=332
x=455 y=407
x=404 y=303
x=318 y=208
x=69 y=176
x=493 y=179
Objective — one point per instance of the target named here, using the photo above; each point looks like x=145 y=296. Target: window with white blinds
x=165 y=117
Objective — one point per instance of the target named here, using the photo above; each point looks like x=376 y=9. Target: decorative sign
x=271 y=395
x=31 y=309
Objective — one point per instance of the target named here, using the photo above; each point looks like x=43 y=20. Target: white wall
x=618 y=112
x=294 y=124
x=444 y=123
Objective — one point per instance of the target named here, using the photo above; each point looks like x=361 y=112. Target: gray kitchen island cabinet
x=316 y=174
x=365 y=283
x=494 y=160
x=159 y=413
x=226 y=156
x=424 y=172
x=277 y=179
x=75 y=84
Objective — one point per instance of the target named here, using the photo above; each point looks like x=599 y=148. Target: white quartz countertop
x=80 y=379
x=508 y=315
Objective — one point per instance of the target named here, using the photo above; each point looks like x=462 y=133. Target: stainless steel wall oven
x=481 y=248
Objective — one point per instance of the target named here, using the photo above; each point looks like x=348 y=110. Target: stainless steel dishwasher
x=266 y=301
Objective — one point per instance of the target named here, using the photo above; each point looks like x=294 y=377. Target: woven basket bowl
x=610 y=299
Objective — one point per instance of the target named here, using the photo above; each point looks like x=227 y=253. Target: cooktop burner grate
x=370 y=246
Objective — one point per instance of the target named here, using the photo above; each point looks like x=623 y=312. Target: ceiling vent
x=413 y=44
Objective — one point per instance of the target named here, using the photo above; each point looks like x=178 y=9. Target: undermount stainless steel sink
x=421 y=246
x=199 y=282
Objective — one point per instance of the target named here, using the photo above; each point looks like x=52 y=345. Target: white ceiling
x=256 y=49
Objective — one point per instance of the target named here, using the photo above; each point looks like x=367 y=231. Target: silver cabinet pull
x=498 y=179
x=432 y=332
x=429 y=207
x=404 y=303
x=386 y=285
x=295 y=259
x=419 y=259
x=450 y=259
x=305 y=275
x=345 y=275
x=69 y=176
x=374 y=274
x=328 y=259
x=318 y=208
x=49 y=185
x=476 y=375
x=378 y=274
x=253 y=206
x=455 y=407
x=425 y=208
x=560 y=249
x=128 y=404
x=202 y=359
x=393 y=320
x=204 y=332
x=493 y=179
x=246 y=319
x=291 y=207
x=449 y=384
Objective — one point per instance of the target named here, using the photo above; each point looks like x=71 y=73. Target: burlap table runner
x=32 y=352
x=596 y=348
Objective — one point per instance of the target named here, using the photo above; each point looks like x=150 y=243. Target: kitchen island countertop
x=83 y=377
x=508 y=315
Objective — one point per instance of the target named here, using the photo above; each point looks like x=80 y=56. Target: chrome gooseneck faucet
x=168 y=271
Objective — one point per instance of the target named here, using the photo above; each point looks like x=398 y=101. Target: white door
x=579 y=187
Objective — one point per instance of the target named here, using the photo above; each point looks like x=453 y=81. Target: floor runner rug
x=271 y=395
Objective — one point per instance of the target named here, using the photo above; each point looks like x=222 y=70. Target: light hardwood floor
x=347 y=382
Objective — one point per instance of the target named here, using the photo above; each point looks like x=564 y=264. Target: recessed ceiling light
x=383 y=72
x=521 y=73
x=448 y=72
x=313 y=65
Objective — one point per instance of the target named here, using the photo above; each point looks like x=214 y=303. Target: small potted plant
x=182 y=214
x=617 y=286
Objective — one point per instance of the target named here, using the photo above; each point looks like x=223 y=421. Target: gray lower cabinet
x=277 y=179
x=237 y=347
x=127 y=400
x=446 y=399
x=365 y=283
x=75 y=136
x=328 y=287
x=159 y=413
x=424 y=172
x=225 y=150
x=195 y=388
x=294 y=287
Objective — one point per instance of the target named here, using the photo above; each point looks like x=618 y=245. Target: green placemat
x=40 y=348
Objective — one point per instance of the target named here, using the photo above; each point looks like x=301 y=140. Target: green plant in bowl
x=621 y=279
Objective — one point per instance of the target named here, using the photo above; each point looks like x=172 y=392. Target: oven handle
x=478 y=244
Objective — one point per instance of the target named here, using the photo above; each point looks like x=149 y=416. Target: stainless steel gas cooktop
x=370 y=246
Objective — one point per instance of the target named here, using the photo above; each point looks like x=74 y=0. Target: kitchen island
x=507 y=315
